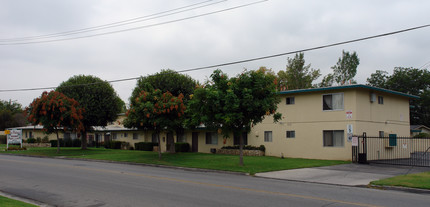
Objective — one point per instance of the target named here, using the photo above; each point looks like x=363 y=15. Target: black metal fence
x=411 y=151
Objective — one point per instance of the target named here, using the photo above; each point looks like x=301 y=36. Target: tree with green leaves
x=11 y=114
x=99 y=100
x=411 y=81
x=55 y=112
x=172 y=82
x=346 y=68
x=155 y=110
x=297 y=75
x=233 y=105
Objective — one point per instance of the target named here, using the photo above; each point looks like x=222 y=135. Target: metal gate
x=411 y=151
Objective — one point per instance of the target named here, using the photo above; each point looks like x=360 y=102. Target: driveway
x=347 y=174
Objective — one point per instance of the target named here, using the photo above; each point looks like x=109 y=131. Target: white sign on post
x=349 y=132
x=14 y=137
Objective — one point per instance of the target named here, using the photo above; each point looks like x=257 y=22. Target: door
x=195 y=142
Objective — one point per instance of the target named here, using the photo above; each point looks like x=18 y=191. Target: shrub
x=45 y=139
x=13 y=148
x=2 y=139
x=422 y=135
x=76 y=143
x=246 y=147
x=38 y=140
x=113 y=144
x=182 y=147
x=31 y=140
x=144 y=146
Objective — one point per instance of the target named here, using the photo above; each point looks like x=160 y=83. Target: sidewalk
x=348 y=174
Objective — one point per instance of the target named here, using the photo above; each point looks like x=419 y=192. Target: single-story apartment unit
x=316 y=123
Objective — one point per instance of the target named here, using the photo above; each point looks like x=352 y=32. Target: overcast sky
x=261 y=29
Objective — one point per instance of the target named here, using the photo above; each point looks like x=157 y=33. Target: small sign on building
x=349 y=114
x=349 y=132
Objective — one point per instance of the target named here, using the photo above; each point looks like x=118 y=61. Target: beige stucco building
x=316 y=123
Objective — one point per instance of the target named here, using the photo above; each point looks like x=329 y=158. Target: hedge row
x=145 y=146
x=246 y=147
x=2 y=139
x=65 y=143
x=182 y=147
x=113 y=144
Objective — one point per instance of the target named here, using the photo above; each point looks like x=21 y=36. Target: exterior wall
x=308 y=119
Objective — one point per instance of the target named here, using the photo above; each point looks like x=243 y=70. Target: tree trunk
x=58 y=141
x=84 y=140
x=241 y=149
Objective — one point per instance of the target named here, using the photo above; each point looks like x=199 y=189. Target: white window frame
x=211 y=138
x=135 y=135
x=268 y=138
x=292 y=134
x=333 y=141
x=114 y=136
x=381 y=100
x=292 y=100
x=331 y=94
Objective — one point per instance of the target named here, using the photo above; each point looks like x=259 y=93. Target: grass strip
x=7 y=202
x=253 y=164
x=419 y=180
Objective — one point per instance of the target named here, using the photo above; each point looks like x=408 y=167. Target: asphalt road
x=60 y=182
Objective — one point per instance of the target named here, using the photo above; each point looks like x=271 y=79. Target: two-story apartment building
x=317 y=123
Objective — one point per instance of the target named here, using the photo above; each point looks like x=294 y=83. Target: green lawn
x=7 y=202
x=192 y=160
x=419 y=180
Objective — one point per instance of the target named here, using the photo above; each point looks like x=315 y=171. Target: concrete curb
x=25 y=200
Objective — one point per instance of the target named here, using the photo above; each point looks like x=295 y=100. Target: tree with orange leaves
x=55 y=111
x=156 y=110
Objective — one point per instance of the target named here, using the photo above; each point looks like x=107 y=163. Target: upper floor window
x=135 y=136
x=333 y=102
x=291 y=134
x=380 y=100
x=290 y=100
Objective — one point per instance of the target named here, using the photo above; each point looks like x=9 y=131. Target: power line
x=136 y=28
x=245 y=60
x=119 y=23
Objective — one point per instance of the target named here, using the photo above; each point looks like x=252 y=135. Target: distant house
x=418 y=129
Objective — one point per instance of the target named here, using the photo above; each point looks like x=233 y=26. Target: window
x=291 y=134
x=26 y=135
x=114 y=136
x=333 y=102
x=155 y=137
x=211 y=138
x=290 y=100
x=268 y=136
x=380 y=100
x=135 y=136
x=333 y=138
x=180 y=137
x=125 y=134
x=381 y=133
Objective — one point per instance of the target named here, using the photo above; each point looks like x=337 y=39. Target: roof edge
x=349 y=87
